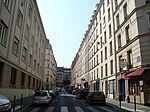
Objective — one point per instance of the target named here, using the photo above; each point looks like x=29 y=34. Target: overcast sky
x=65 y=23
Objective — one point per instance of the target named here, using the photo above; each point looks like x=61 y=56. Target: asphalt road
x=65 y=102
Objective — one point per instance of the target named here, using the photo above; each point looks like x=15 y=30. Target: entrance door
x=122 y=89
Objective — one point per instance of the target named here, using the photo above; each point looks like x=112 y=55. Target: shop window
x=134 y=87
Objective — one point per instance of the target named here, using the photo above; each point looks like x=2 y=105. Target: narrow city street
x=66 y=102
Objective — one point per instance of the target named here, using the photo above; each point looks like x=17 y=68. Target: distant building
x=63 y=76
x=50 y=72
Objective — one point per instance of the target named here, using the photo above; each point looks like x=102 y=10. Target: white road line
x=35 y=109
x=50 y=109
x=64 y=109
x=92 y=109
x=78 y=109
x=105 y=108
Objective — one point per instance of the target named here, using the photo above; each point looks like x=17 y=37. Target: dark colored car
x=5 y=105
x=81 y=93
x=41 y=97
x=96 y=97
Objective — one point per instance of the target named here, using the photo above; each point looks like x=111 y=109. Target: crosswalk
x=76 y=108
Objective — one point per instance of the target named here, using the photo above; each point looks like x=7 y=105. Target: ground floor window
x=134 y=87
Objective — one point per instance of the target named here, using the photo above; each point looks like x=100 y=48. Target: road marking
x=92 y=109
x=50 y=109
x=64 y=109
x=78 y=109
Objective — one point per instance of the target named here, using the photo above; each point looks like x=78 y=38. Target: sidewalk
x=128 y=106
x=26 y=102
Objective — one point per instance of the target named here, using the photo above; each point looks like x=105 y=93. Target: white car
x=41 y=97
x=5 y=105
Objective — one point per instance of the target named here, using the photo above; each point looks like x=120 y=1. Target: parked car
x=96 y=97
x=52 y=93
x=81 y=93
x=5 y=105
x=41 y=97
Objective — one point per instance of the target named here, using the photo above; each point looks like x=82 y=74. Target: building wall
x=22 y=48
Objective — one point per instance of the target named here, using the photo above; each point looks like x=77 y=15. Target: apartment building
x=50 y=68
x=118 y=51
x=22 y=48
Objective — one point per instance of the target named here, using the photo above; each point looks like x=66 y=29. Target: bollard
x=21 y=100
x=14 y=103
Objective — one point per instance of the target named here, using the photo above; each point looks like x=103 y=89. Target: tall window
x=30 y=60
x=33 y=83
x=129 y=57
x=19 y=19
x=29 y=81
x=30 y=11
x=111 y=50
x=110 y=32
x=106 y=69
x=116 y=3
x=13 y=76
x=3 y=33
x=6 y=2
x=101 y=71
x=22 y=79
x=105 y=53
x=111 y=66
x=34 y=64
x=149 y=19
x=117 y=21
x=103 y=7
x=100 y=28
x=101 y=56
x=15 y=46
x=108 y=14
x=1 y=71
x=105 y=37
x=127 y=34
x=125 y=10
x=119 y=41
x=24 y=54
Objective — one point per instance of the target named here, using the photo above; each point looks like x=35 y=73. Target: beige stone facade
x=115 y=45
x=22 y=48
x=50 y=72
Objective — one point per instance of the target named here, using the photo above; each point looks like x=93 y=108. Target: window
x=111 y=50
x=117 y=21
x=22 y=2
x=103 y=7
x=29 y=81
x=147 y=1
x=108 y=1
x=97 y=73
x=30 y=11
x=3 y=32
x=106 y=69
x=34 y=64
x=13 y=76
x=105 y=53
x=149 y=19
x=30 y=60
x=105 y=37
x=100 y=28
x=33 y=83
x=1 y=71
x=24 y=54
x=116 y=3
x=6 y=2
x=129 y=58
x=38 y=67
x=19 y=19
x=125 y=11
x=101 y=56
x=134 y=87
x=119 y=41
x=27 y=32
x=97 y=59
x=110 y=33
x=15 y=46
x=22 y=79
x=104 y=20
x=111 y=66
x=127 y=34
x=101 y=71
x=108 y=14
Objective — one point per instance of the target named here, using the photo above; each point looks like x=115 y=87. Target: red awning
x=135 y=73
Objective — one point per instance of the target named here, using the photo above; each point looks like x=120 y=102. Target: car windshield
x=98 y=93
x=40 y=94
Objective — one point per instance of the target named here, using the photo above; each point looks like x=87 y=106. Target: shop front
x=138 y=86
